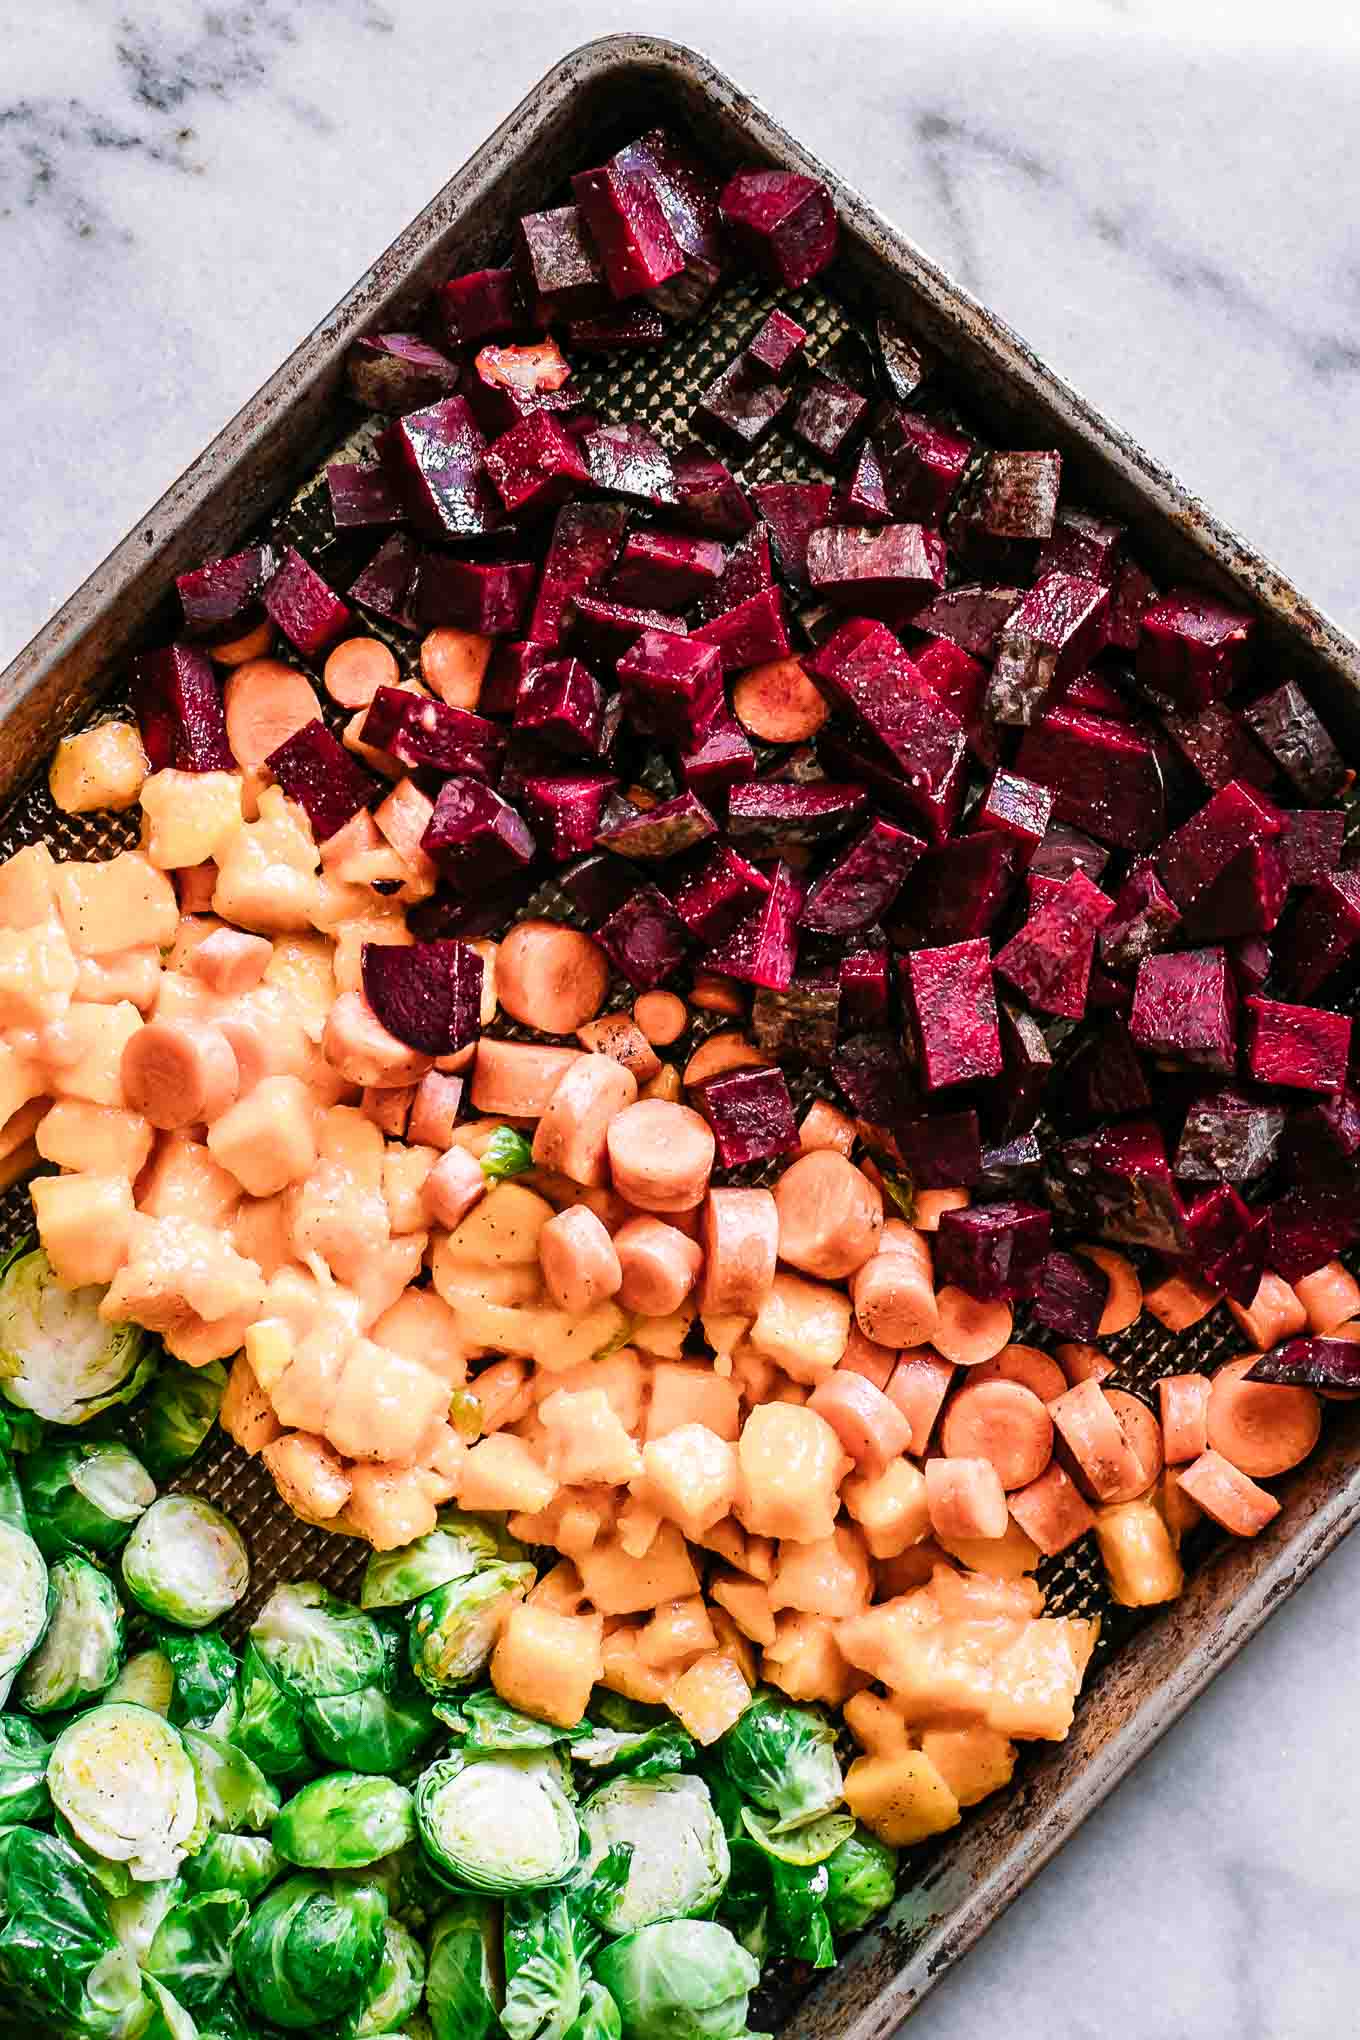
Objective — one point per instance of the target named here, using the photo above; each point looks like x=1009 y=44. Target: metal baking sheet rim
x=1145 y=1688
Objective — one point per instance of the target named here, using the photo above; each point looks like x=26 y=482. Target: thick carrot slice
x=778 y=703
x=618 y=1036
x=727 y=1050
x=1225 y=1493
x=252 y=644
x=1184 y=1403
x=1274 y=1313
x=580 y=1266
x=740 y=1238
x=1098 y=1453
x=1084 y=1363
x=1052 y=1511
x=1002 y=1422
x=662 y=1017
x=862 y=1356
x=1125 y=1300
x=1144 y=1434
x=661 y=1156
x=1027 y=1365
x=919 y=1384
x=1179 y=1301
x=1330 y=1295
x=714 y=994
x=893 y=1293
x=266 y=702
x=925 y=1214
x=969 y=1330
x=869 y=1425
x=356 y=669
x=550 y=977
x=824 y=1126
x=1260 y=1428
x=453 y=665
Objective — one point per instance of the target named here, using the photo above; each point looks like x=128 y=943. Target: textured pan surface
x=264 y=474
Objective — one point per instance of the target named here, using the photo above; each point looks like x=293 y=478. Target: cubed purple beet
x=920 y=738
x=865 y=979
x=1132 y=594
x=922 y=463
x=1218 y=744
x=667 y=830
x=1049 y=959
x=793 y=511
x=558 y=266
x=596 y=885
x=688 y=194
x=960 y=680
x=708 y=497
x=1294 y=734
x=994 y=1251
x=536 y=465
x=751 y=634
x=1185 y=1009
x=398 y=372
x=178 y=705
x=769 y=816
x=1228 y=1137
x=606 y=631
x=625 y=459
x=221 y=598
x=784 y=221
x=1070 y=1295
x=666 y=569
x=1117 y=1181
x=429 y=994
x=962 y=887
x=762 y=948
x=1017 y=808
x=863 y=496
x=386 y=583
x=1012 y=1167
x=491 y=597
x=870 y=1072
x=718 y=890
x=1252 y=960
x=672 y=686
x=751 y=1114
x=742 y=403
x=1104 y=775
x=628 y=329
x=951 y=1007
x=1016 y=494
x=1065 y=850
x=1311 y=1363
x=628 y=228
x=1225 y=1243
x=304 y=607
x=904 y=363
x=1096 y=692
x=1323 y=938
x=644 y=937
x=1103 y=1078
x=1312 y=843
x=1322 y=1140
x=1246 y=899
x=798 y=1025
x=585 y=542
x=1051 y=636
x=1198 y=853
x=475 y=837
x=1303 y=1047
x=941 y=1151
x=971 y=617
x=828 y=415
x=1145 y=920
x=1192 y=648
x=1026 y=1067
x=434 y=736
x=482 y=305
x=437 y=460
x=722 y=759
x=327 y=782
x=564 y=811
x=859 y=886
x=884 y=569
x=361 y=494
x=776 y=345
x=1081 y=543
x=1311 y=1226
x=562 y=704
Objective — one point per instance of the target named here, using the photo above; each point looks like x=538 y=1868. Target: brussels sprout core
x=186 y=1562
x=498 y=1823
x=123 y=1780
x=680 y=1861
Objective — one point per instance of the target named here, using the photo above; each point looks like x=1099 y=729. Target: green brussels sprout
x=80 y=1654
x=507 y=1153
x=165 y=2019
x=800 y=1847
x=544 y=1965
x=60 y=1961
x=227 y=2019
x=801 y=1928
x=454 y=1629
x=233 y=1792
x=57 y=1357
x=24 y=1751
x=204 y=1669
x=146 y=1680
x=311 y=1943
x=397 y=1987
x=268 y=1722
x=783 y=1759
x=314 y=1645
x=191 y=1950
x=456 y=1548
x=652 y=1750
x=598 y=2018
x=861 y=1881
x=463 y=1987
x=344 y=1821
x=125 y=1782
x=26 y=1600
x=138 y=1912
x=680 y=1861
x=186 y=1562
x=483 y=1721
x=498 y=1823
x=679 y=1980
x=382 y=1728
x=230 y=1862
x=84 y=1495
x=171 y=1422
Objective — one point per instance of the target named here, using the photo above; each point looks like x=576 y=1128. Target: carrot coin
x=1260 y=1428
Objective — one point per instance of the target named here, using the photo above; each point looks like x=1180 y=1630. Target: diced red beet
x=563 y=704
x=922 y=463
x=962 y=887
x=1017 y=808
x=971 y=617
x=761 y=949
x=771 y=815
x=1198 y=853
x=398 y=372
x=490 y=597
x=606 y=631
x=1185 y=1008
x=1312 y=843
x=665 y=569
x=776 y=345
x=708 y=497
x=643 y=937
x=1016 y=494
x=863 y=496
x=1324 y=934
x=1105 y=776
x=1297 y=739
x=1051 y=636
x=1252 y=961
x=1322 y=1140
x=361 y=494
x=1065 y=850
x=860 y=885
x=722 y=759
x=1310 y=1226
x=178 y=705
x=904 y=363
x=596 y=885
x=784 y=221
x=482 y=305
x=994 y=1251
x=718 y=890
x=751 y=634
x=1102 y=1079
x=1096 y=692
x=941 y=1151
x=221 y=598
x=751 y=1114
x=1081 y=543
x=866 y=988
x=1192 y=648
x=536 y=465
x=1131 y=596
x=564 y=811
x=1227 y=1245
x=951 y=1007
x=742 y=402
x=888 y=569
x=630 y=232
x=1228 y=1137
x=432 y=735
x=1310 y=1363
x=1145 y=920
x=1218 y=744
x=868 y=674
x=1118 y=1181
x=1247 y=898
x=672 y=685
x=429 y=994
x=960 y=680
x=304 y=607
x=748 y=570
x=584 y=545
x=688 y=195
x=828 y=414
x=327 y=782
x=1027 y=1065
x=1012 y=1167
x=1071 y=1295
x=437 y=459
x=1303 y=1047
x=386 y=583
x=667 y=830
x=625 y=459
x=475 y=837
x=625 y=330
x=793 y=511
x=558 y=265
x=798 y=1025
x=1049 y=959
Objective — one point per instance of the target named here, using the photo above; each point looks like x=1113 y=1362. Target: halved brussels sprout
x=146 y=1680
x=191 y=1950
x=783 y=1759
x=123 y=1779
x=57 y=1357
x=186 y=1562
x=344 y=1822
x=680 y=1862
x=454 y=1629
x=313 y=1944
x=315 y=1645
x=397 y=1986
x=268 y=1721
x=498 y=1823
x=463 y=1986
x=84 y=1495
x=24 y=1751
x=233 y=1792
x=245 y=1863
x=861 y=1880
x=80 y=1654
x=26 y=1599
x=679 y=1980
x=172 y=1421
x=453 y=1550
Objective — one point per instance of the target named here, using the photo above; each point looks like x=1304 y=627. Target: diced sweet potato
x=902 y=1799
x=545 y=1663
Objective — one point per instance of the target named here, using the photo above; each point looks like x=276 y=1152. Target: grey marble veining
x=1163 y=199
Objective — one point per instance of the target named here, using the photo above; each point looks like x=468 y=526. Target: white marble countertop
x=1162 y=196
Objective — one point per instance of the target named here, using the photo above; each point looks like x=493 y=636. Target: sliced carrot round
x=1227 y=1494
x=1260 y=1428
x=778 y=703
x=715 y=994
x=969 y=1329
x=662 y=1017
x=1084 y=1363
x=928 y=1204
x=1183 y=1400
x=918 y=1385
x=1144 y=1434
x=356 y=669
x=453 y=665
x=252 y=644
x=1001 y=1421
x=727 y=1050
x=1027 y=1365
x=551 y=977
x=1124 y=1303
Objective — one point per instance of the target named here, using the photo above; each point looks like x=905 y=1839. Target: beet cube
x=1132 y=594
x=750 y=634
x=1097 y=693
x=1145 y=919
x=1310 y=1226
x=866 y=988
x=922 y=463
x=742 y=402
x=784 y=221
x=1228 y=1137
x=1324 y=934
x=751 y=1114
x=769 y=816
x=951 y=1006
x=708 y=497
x=971 y=617
x=1192 y=648
x=178 y=705
x=563 y=704
x=398 y=372
x=860 y=885
x=482 y=305
x=491 y=597
x=308 y=611
x=799 y=1024
x=432 y=735
x=863 y=496
x=437 y=460
x=1118 y=1179
x=564 y=811
x=828 y=415
x=994 y=1251
x=1227 y=1244
x=1051 y=636
x=625 y=330
x=1197 y=854
x=1026 y=1065
x=918 y=735
x=585 y=541
x=688 y=195
x=644 y=937
x=748 y=570
x=626 y=460
x=761 y=949
x=717 y=891
x=1016 y=495
x=1310 y=1363
x=1303 y=1047
x=1065 y=850
x=941 y=1151
x=631 y=233
x=316 y=771
x=386 y=583
x=666 y=569
x=672 y=685
x=1082 y=544
x=793 y=511
x=722 y=759
x=596 y=885
x=1322 y=1140
x=960 y=680
x=888 y=568
x=475 y=837
x=361 y=494
x=1105 y=776
x=1071 y=1295
x=221 y=598
x=429 y=994
x=1218 y=744
x=1018 y=809
x=558 y=263
x=776 y=345
x=667 y=830
x=1247 y=898
x=1252 y=962
x=1049 y=959
x=1185 y=1008
x=1102 y=1079
x=962 y=887
x=903 y=362
x=536 y=465
x=1312 y=843
x=1298 y=741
